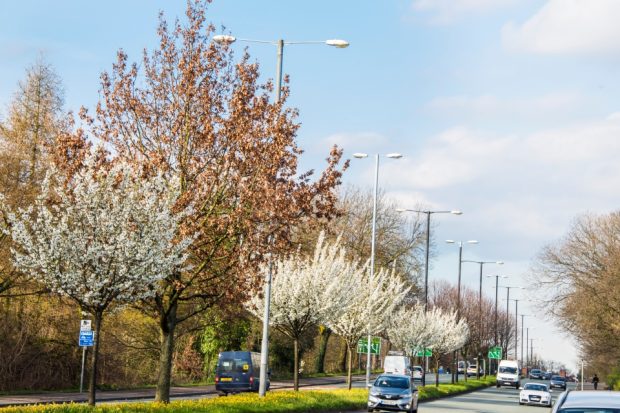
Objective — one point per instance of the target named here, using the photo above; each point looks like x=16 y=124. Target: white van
x=393 y=364
x=508 y=374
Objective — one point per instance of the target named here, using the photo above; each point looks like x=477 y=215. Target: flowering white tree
x=449 y=335
x=413 y=328
x=305 y=290
x=374 y=299
x=104 y=235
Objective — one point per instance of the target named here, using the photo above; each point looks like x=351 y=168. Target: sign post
x=85 y=340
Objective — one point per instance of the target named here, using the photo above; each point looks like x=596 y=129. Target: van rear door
x=234 y=370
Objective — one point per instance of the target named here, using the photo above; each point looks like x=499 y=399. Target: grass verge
x=275 y=402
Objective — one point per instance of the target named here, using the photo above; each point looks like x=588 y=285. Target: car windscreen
x=233 y=365
x=535 y=387
x=508 y=370
x=558 y=378
x=588 y=410
x=393 y=382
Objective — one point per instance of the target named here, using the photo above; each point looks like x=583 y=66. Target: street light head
x=360 y=155
x=224 y=39
x=339 y=43
x=401 y=210
x=450 y=241
x=472 y=241
x=394 y=155
x=456 y=212
x=499 y=262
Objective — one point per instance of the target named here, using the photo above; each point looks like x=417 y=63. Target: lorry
x=507 y=374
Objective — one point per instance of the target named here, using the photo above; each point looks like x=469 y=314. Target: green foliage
x=281 y=401
x=223 y=333
x=613 y=379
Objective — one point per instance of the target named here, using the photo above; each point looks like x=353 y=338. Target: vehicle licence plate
x=389 y=402
x=226 y=379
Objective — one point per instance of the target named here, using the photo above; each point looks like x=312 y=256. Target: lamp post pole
x=372 y=241
x=481 y=263
x=497 y=277
x=227 y=40
x=426 y=263
x=458 y=306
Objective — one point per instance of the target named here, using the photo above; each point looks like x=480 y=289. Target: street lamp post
x=428 y=237
x=508 y=288
x=516 y=300
x=226 y=40
x=481 y=263
x=372 y=237
x=458 y=302
x=497 y=277
x=522 y=328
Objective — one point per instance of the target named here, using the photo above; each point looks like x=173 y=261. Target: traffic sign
x=375 y=345
x=87 y=338
x=85 y=325
x=495 y=353
x=427 y=352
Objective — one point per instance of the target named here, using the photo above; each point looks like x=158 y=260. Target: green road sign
x=427 y=352
x=495 y=353
x=375 y=345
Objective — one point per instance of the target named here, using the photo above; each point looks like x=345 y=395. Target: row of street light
x=226 y=40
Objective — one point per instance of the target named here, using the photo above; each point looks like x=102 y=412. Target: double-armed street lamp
x=508 y=288
x=458 y=299
x=372 y=236
x=497 y=277
x=226 y=40
x=516 y=300
x=428 y=237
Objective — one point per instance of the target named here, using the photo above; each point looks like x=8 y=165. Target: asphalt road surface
x=489 y=400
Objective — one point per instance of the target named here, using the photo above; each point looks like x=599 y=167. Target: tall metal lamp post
x=428 y=237
x=497 y=277
x=372 y=237
x=481 y=263
x=226 y=40
x=458 y=301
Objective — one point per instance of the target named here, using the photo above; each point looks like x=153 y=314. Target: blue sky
x=506 y=109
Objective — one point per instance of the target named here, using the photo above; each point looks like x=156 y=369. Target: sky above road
x=505 y=109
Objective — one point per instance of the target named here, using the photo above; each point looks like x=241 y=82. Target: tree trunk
x=324 y=334
x=437 y=371
x=167 y=324
x=349 y=362
x=465 y=371
x=296 y=364
x=94 y=360
x=343 y=360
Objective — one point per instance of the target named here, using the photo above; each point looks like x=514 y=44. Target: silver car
x=393 y=392
x=588 y=401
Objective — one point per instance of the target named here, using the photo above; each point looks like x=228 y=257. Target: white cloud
x=492 y=105
x=446 y=11
x=354 y=141
x=568 y=27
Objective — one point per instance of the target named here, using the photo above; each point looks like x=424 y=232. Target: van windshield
x=233 y=365
x=508 y=370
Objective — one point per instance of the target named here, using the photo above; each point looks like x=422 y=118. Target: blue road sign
x=87 y=338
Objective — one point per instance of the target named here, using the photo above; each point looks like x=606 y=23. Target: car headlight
x=405 y=399
x=373 y=398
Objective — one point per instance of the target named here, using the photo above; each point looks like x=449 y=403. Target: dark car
x=547 y=375
x=557 y=381
x=587 y=402
x=394 y=392
x=238 y=371
x=536 y=374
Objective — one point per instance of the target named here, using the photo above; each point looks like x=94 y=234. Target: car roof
x=592 y=398
x=536 y=384
x=404 y=376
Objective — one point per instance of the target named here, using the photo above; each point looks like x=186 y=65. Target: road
x=489 y=400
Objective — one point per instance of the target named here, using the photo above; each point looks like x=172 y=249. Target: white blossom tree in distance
x=101 y=237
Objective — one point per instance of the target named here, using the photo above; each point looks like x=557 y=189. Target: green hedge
x=276 y=402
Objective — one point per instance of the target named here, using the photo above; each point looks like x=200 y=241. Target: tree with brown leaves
x=190 y=109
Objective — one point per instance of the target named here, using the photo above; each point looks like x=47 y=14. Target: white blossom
x=101 y=236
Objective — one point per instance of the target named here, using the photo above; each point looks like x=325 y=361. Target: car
x=472 y=370
x=238 y=371
x=418 y=372
x=507 y=374
x=536 y=394
x=536 y=374
x=393 y=392
x=461 y=367
x=557 y=381
x=547 y=375
x=397 y=364
x=588 y=401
